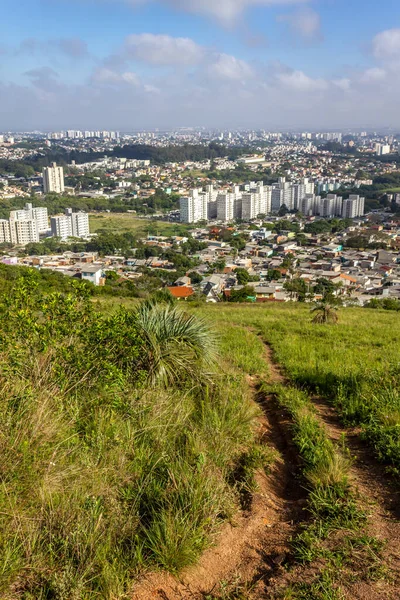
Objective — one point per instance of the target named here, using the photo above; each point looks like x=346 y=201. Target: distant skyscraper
x=53 y=179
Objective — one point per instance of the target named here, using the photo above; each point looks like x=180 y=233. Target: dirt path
x=247 y=555
x=377 y=494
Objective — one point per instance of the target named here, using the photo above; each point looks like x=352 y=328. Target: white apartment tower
x=331 y=206
x=229 y=205
x=281 y=194
x=193 y=208
x=38 y=214
x=310 y=205
x=61 y=227
x=353 y=207
x=23 y=231
x=256 y=202
x=5 y=235
x=70 y=225
x=80 y=224
x=53 y=179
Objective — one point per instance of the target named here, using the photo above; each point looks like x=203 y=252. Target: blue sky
x=249 y=63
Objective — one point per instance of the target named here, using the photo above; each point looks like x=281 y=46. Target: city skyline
x=234 y=63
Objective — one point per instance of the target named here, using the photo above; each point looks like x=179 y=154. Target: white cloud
x=300 y=82
x=344 y=83
x=227 y=67
x=218 y=90
x=163 y=49
x=108 y=76
x=305 y=23
x=373 y=75
x=386 y=44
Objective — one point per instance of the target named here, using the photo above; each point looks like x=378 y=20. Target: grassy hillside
x=122 y=447
x=128 y=435
x=355 y=363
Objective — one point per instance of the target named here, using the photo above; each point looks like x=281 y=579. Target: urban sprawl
x=267 y=216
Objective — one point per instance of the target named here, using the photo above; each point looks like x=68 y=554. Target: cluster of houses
x=271 y=260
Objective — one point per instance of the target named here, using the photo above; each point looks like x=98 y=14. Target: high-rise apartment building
x=5 y=235
x=53 y=179
x=193 y=207
x=61 y=227
x=382 y=149
x=281 y=194
x=38 y=214
x=332 y=206
x=23 y=232
x=80 y=224
x=256 y=202
x=353 y=207
x=70 y=225
x=310 y=205
x=229 y=205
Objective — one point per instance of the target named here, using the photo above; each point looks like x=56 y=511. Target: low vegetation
x=122 y=448
x=354 y=364
x=129 y=434
x=336 y=522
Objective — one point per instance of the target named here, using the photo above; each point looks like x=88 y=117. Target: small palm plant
x=324 y=313
x=176 y=346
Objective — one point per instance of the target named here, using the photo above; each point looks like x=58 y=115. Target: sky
x=226 y=64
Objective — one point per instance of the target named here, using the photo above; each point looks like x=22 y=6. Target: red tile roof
x=181 y=291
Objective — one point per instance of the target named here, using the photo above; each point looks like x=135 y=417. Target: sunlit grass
x=128 y=222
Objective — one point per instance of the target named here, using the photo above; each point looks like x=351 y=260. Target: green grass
x=128 y=222
x=106 y=473
x=194 y=173
x=354 y=364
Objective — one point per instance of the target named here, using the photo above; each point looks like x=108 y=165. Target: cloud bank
x=164 y=81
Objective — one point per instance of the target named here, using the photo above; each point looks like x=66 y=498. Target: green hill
x=129 y=436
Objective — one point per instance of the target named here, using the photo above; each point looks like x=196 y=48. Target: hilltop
x=235 y=448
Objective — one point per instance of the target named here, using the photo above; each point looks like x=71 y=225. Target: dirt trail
x=378 y=495
x=251 y=551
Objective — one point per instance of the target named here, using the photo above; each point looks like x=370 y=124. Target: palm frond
x=175 y=345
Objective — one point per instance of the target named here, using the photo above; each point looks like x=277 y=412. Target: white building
x=310 y=205
x=70 y=225
x=23 y=232
x=353 y=207
x=5 y=235
x=229 y=205
x=80 y=224
x=193 y=207
x=61 y=226
x=256 y=202
x=38 y=214
x=290 y=194
x=199 y=205
x=331 y=206
x=53 y=179
x=382 y=149
x=281 y=194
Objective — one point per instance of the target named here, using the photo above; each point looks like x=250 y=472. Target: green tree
x=242 y=276
x=245 y=294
